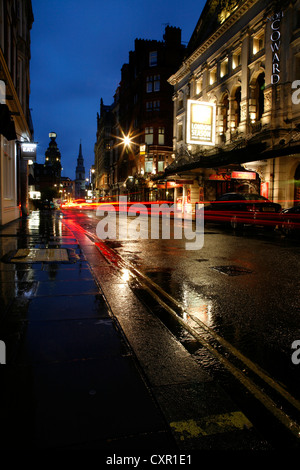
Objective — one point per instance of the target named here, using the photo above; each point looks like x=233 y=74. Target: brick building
x=142 y=111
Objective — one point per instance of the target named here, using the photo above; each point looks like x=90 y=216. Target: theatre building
x=237 y=104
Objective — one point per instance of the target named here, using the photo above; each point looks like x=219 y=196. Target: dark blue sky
x=77 y=51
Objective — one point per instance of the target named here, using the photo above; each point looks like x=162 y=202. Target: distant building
x=80 y=176
x=67 y=188
x=16 y=19
x=47 y=175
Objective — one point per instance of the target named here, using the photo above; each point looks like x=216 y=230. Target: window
x=224 y=111
x=156 y=105
x=224 y=68
x=149 y=84
x=213 y=76
x=259 y=95
x=179 y=131
x=237 y=107
x=153 y=83
x=156 y=82
x=148 y=165
x=198 y=86
x=236 y=58
x=149 y=135
x=161 y=136
x=149 y=106
x=153 y=58
x=160 y=163
x=258 y=43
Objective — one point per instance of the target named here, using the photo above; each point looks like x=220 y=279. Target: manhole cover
x=232 y=270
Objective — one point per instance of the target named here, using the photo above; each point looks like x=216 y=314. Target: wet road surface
x=243 y=285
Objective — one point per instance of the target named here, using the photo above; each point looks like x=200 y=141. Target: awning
x=248 y=153
x=7 y=125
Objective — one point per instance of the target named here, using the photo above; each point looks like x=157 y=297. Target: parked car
x=290 y=220
x=240 y=209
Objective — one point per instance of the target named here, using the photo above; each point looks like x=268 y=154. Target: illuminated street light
x=127 y=141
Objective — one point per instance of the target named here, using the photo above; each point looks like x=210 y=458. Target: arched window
x=237 y=107
x=259 y=95
x=224 y=112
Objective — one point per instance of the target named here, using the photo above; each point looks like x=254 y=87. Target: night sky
x=77 y=51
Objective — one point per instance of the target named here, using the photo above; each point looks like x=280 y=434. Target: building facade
x=102 y=150
x=134 y=134
x=16 y=19
x=236 y=106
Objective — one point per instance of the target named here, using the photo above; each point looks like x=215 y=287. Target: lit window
x=213 y=76
x=161 y=136
x=198 y=86
x=149 y=135
x=148 y=165
x=160 y=166
x=236 y=59
x=161 y=163
x=258 y=43
x=153 y=58
x=224 y=68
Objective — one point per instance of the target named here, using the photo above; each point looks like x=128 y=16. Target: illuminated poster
x=201 y=122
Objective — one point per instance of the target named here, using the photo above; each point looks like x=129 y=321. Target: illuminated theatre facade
x=237 y=105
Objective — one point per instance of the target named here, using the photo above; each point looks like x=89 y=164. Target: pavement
x=87 y=365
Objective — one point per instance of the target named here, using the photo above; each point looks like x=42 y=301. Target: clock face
x=52 y=134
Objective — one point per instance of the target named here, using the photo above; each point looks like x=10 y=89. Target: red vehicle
x=242 y=209
x=290 y=220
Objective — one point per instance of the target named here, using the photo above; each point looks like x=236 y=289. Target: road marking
x=209 y=425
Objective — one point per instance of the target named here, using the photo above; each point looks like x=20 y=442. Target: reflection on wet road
x=244 y=287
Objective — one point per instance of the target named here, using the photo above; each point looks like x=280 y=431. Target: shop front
x=226 y=180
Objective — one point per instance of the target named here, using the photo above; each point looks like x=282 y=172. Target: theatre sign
x=201 y=122
x=275 y=46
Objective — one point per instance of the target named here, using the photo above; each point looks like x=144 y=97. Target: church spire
x=80 y=175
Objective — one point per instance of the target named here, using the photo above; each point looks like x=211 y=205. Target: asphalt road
x=243 y=285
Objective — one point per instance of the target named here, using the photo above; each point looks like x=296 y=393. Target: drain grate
x=232 y=270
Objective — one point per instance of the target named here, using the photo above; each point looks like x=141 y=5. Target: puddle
x=232 y=270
